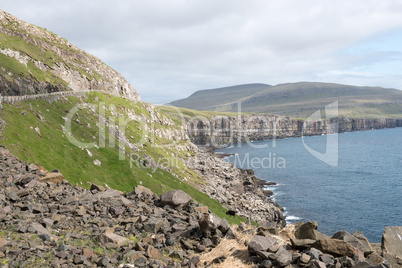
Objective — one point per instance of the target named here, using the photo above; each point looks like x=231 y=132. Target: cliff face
x=222 y=130
x=34 y=60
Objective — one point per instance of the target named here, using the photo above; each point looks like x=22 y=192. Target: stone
x=87 y=253
x=349 y=238
x=309 y=231
x=283 y=257
x=98 y=188
x=301 y=243
x=104 y=261
x=375 y=259
x=175 y=198
x=109 y=237
x=52 y=177
x=335 y=247
x=134 y=255
x=392 y=241
x=209 y=223
x=79 y=259
x=153 y=253
x=40 y=230
x=195 y=260
x=13 y=196
x=367 y=248
x=304 y=258
x=3 y=242
x=261 y=243
x=202 y=210
x=141 y=190
x=317 y=264
x=153 y=225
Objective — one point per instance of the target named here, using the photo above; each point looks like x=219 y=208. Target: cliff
x=34 y=61
x=222 y=130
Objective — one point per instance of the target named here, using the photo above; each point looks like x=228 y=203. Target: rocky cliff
x=34 y=60
x=221 y=130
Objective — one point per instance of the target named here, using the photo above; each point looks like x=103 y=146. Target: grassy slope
x=53 y=149
x=302 y=99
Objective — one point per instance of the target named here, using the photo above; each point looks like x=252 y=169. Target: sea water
x=362 y=191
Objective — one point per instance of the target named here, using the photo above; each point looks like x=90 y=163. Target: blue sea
x=360 y=188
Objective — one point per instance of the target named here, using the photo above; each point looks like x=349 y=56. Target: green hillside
x=299 y=100
x=155 y=162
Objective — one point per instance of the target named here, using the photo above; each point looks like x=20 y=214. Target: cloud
x=168 y=49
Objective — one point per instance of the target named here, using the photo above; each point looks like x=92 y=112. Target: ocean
x=362 y=190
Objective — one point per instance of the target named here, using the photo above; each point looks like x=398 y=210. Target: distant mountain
x=298 y=100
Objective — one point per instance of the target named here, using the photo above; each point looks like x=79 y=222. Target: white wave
x=292 y=218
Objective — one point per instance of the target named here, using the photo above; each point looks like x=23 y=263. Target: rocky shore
x=47 y=222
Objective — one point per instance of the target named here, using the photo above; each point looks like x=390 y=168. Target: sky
x=168 y=49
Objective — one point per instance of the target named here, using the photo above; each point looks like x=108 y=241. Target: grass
x=53 y=150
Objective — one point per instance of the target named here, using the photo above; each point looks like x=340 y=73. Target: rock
x=317 y=264
x=202 y=210
x=153 y=225
x=13 y=196
x=209 y=223
x=367 y=248
x=304 y=258
x=52 y=177
x=134 y=255
x=79 y=259
x=152 y=252
x=109 y=237
x=98 y=188
x=141 y=190
x=40 y=230
x=175 y=198
x=283 y=257
x=261 y=243
x=309 y=231
x=391 y=245
x=375 y=259
x=97 y=162
x=301 y=243
x=347 y=237
x=3 y=242
x=335 y=247
x=104 y=261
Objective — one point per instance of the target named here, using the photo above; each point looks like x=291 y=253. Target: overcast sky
x=168 y=49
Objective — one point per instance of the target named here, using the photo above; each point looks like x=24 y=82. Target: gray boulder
x=175 y=198
x=367 y=248
x=261 y=243
x=347 y=237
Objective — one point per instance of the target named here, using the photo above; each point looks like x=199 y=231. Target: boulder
x=335 y=247
x=52 y=177
x=367 y=248
x=141 y=190
x=391 y=245
x=202 y=210
x=109 y=237
x=309 y=231
x=283 y=257
x=301 y=243
x=209 y=223
x=261 y=243
x=349 y=238
x=98 y=188
x=175 y=198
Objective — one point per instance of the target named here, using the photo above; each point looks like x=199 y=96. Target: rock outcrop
x=35 y=60
x=226 y=130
